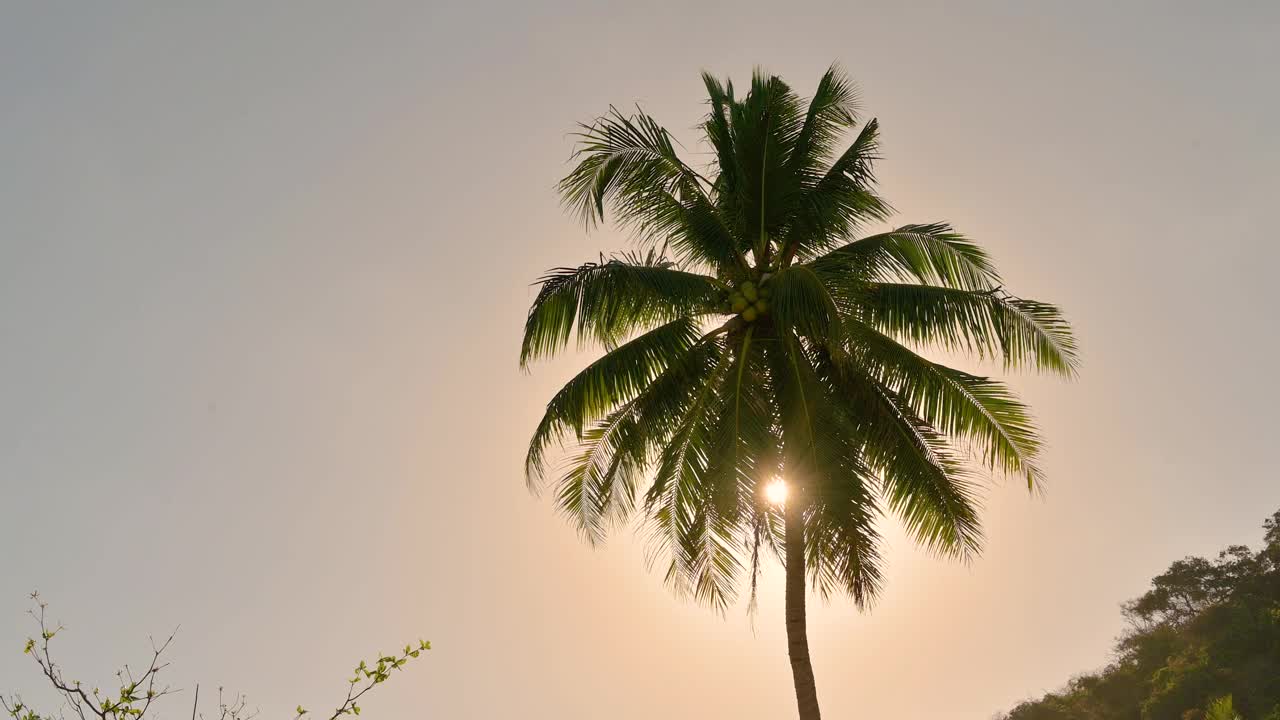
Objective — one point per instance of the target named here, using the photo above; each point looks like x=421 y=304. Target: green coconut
x=749 y=314
x=738 y=304
x=762 y=307
x=749 y=292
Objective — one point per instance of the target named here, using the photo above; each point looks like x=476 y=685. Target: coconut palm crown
x=757 y=334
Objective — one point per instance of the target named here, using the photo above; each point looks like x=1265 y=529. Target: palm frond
x=624 y=159
x=718 y=130
x=743 y=452
x=602 y=386
x=840 y=202
x=600 y=482
x=841 y=540
x=692 y=227
x=979 y=410
x=828 y=476
x=932 y=254
x=607 y=301
x=686 y=522
x=631 y=165
x=1023 y=333
x=802 y=304
x=924 y=484
x=833 y=109
x=764 y=126
x=798 y=395
x=764 y=532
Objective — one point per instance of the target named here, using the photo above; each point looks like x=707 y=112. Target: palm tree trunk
x=797 y=633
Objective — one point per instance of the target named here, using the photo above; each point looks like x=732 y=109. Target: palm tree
x=755 y=336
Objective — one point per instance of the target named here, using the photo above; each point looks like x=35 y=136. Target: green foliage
x=1221 y=709
x=1204 y=643
x=755 y=334
x=137 y=693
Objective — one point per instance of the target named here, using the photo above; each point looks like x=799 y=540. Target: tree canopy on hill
x=1203 y=642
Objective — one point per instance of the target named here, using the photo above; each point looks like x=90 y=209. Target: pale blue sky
x=263 y=269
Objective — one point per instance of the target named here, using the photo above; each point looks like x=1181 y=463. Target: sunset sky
x=264 y=269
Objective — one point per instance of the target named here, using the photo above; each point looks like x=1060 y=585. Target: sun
x=776 y=492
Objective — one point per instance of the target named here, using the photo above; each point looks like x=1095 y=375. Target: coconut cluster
x=750 y=301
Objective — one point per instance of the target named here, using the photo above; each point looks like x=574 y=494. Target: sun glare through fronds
x=776 y=492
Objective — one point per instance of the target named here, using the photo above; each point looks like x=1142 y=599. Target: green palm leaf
x=608 y=382
x=977 y=409
x=607 y=301
x=1023 y=333
x=930 y=254
x=833 y=109
x=682 y=501
x=924 y=483
x=802 y=304
x=840 y=202
x=624 y=159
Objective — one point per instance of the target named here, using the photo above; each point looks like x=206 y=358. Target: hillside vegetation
x=1203 y=644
